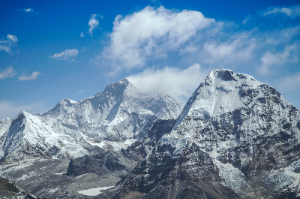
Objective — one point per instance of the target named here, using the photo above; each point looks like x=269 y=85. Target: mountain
x=35 y=150
x=118 y=113
x=112 y=119
x=31 y=136
x=235 y=138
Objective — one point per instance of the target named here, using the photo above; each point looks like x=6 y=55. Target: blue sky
x=54 y=50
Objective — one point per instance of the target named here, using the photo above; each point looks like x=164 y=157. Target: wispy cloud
x=81 y=34
x=169 y=80
x=293 y=11
x=229 y=51
x=65 y=55
x=33 y=76
x=9 y=72
x=93 y=23
x=270 y=60
x=5 y=44
x=28 y=10
x=151 y=32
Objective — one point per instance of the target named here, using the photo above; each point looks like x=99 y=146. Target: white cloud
x=159 y=36
x=10 y=109
x=152 y=32
x=293 y=11
x=93 y=23
x=172 y=81
x=9 y=72
x=28 y=10
x=270 y=60
x=65 y=55
x=5 y=44
x=33 y=76
x=12 y=38
x=236 y=49
x=81 y=34
x=229 y=51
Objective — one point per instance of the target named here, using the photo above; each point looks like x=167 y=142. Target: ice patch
x=287 y=177
x=94 y=191
x=234 y=178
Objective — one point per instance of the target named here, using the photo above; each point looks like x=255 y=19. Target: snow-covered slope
x=229 y=108
x=32 y=136
x=112 y=119
x=118 y=113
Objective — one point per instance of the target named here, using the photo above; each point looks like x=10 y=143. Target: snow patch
x=94 y=191
x=234 y=178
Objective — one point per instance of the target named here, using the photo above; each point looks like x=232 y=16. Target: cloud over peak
x=169 y=80
x=65 y=55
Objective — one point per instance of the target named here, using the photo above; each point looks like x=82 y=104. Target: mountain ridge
x=235 y=138
x=247 y=129
x=113 y=119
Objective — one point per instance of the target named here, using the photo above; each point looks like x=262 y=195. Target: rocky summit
x=235 y=138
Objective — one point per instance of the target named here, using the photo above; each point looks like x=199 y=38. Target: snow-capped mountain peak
x=219 y=93
x=112 y=119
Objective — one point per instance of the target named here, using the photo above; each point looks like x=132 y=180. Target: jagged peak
x=124 y=81
x=118 y=87
x=227 y=75
x=67 y=101
x=22 y=115
x=222 y=91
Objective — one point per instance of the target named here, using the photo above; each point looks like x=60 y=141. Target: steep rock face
x=118 y=113
x=102 y=164
x=165 y=174
x=9 y=189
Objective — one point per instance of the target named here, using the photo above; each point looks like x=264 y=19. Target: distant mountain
x=112 y=119
x=118 y=113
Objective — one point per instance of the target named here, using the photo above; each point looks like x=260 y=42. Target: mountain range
x=235 y=138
